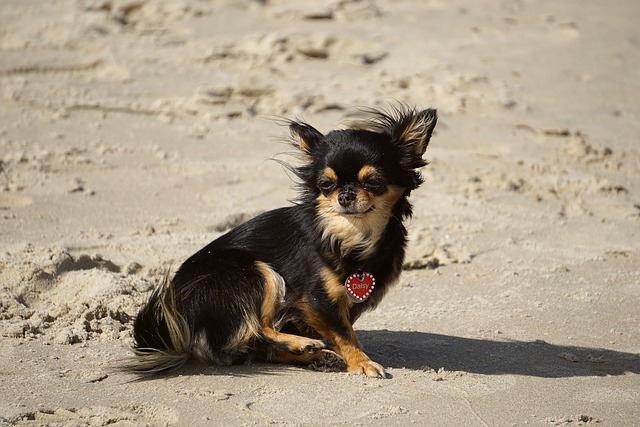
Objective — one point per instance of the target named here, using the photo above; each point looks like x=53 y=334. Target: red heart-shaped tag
x=360 y=286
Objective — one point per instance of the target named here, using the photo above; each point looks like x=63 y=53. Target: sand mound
x=67 y=300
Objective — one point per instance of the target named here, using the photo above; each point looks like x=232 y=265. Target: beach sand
x=133 y=132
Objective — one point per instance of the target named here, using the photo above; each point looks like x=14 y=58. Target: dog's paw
x=369 y=369
x=329 y=361
x=312 y=346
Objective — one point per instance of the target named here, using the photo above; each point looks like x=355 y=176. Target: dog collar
x=359 y=286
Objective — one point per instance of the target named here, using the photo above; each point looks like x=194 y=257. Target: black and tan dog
x=288 y=285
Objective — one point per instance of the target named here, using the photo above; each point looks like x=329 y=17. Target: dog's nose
x=345 y=198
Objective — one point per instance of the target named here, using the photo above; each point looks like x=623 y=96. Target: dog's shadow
x=424 y=351
x=421 y=351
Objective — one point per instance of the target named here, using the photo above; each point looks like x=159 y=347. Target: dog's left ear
x=412 y=130
x=305 y=136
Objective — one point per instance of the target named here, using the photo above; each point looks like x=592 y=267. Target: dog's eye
x=374 y=185
x=326 y=186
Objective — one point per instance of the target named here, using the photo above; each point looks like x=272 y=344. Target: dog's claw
x=369 y=369
x=374 y=370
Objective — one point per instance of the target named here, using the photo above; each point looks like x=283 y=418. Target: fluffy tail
x=162 y=338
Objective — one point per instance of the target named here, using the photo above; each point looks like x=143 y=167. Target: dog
x=288 y=285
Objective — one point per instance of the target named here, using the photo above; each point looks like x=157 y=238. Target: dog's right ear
x=305 y=137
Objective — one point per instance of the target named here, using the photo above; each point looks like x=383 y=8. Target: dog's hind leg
x=273 y=299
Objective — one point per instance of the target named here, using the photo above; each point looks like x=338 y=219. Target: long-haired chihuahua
x=288 y=285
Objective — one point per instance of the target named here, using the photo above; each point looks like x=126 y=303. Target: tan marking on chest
x=357 y=232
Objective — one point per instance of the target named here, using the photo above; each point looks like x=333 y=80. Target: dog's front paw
x=369 y=369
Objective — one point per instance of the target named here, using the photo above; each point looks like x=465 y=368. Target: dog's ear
x=412 y=130
x=305 y=136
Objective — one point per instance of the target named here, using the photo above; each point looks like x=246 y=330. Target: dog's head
x=363 y=172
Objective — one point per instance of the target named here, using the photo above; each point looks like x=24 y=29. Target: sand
x=133 y=132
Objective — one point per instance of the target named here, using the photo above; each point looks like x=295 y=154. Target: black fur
x=217 y=307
